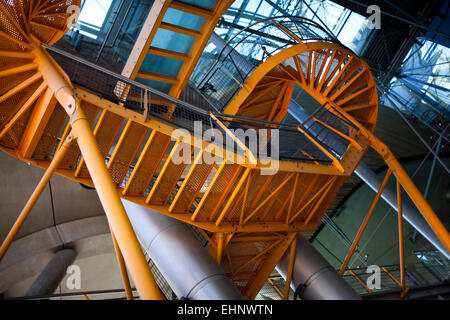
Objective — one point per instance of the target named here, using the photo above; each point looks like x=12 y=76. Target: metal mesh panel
x=268 y=292
x=48 y=25
x=15 y=11
x=73 y=153
x=240 y=254
x=14 y=135
x=9 y=82
x=105 y=135
x=216 y=190
x=126 y=152
x=9 y=106
x=160 y=280
x=386 y=281
x=150 y=162
x=192 y=187
x=50 y=135
x=12 y=62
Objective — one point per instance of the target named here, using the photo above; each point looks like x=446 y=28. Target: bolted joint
x=66 y=98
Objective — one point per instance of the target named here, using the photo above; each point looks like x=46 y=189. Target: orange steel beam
x=258 y=94
x=123 y=267
x=329 y=62
x=114 y=209
x=259 y=193
x=248 y=262
x=106 y=189
x=320 y=200
x=411 y=189
x=348 y=84
x=36 y=125
x=59 y=155
x=400 y=235
x=244 y=201
x=205 y=196
x=191 y=9
x=360 y=281
x=249 y=157
x=290 y=269
x=288 y=32
x=224 y=193
x=273 y=193
x=365 y=222
x=283 y=205
x=335 y=80
x=352 y=141
x=319 y=192
x=400 y=283
x=335 y=161
x=392 y=276
x=232 y=198
x=21 y=86
x=219 y=247
x=20 y=112
x=322 y=66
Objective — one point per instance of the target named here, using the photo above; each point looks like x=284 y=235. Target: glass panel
x=106 y=31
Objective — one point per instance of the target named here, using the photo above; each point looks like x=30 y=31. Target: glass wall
x=421 y=88
x=106 y=31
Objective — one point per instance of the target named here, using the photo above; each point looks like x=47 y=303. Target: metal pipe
x=313 y=277
x=411 y=189
x=50 y=277
x=170 y=244
x=104 y=185
x=410 y=213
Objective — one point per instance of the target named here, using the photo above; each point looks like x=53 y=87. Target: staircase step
x=147 y=164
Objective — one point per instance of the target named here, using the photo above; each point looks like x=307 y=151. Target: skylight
x=92 y=16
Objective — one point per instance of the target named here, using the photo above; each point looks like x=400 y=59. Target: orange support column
x=123 y=268
x=365 y=222
x=411 y=189
x=104 y=185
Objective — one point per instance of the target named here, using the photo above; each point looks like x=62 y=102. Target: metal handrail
x=297 y=18
x=278 y=22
